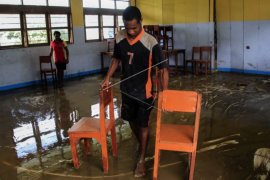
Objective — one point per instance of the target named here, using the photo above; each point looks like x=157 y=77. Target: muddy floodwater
x=235 y=123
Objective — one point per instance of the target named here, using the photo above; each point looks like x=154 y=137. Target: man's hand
x=105 y=83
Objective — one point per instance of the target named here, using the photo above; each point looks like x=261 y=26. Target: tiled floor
x=235 y=122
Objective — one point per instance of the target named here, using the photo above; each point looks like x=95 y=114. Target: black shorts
x=134 y=110
x=61 y=66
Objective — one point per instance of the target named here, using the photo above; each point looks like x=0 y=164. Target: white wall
x=193 y=34
x=234 y=38
x=20 y=67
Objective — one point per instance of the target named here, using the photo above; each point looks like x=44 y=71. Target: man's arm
x=113 y=67
x=164 y=78
x=67 y=53
x=51 y=52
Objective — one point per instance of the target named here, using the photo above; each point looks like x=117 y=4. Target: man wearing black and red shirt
x=138 y=52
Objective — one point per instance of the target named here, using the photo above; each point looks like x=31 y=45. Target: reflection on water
x=43 y=123
x=95 y=110
x=35 y=124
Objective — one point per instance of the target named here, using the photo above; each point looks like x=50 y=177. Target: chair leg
x=206 y=68
x=192 y=165
x=156 y=163
x=114 y=143
x=45 y=77
x=41 y=78
x=73 y=142
x=105 y=158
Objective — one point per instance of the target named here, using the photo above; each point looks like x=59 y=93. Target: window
x=13 y=2
x=122 y=4
x=103 y=18
x=35 y=24
x=92 y=27
x=91 y=3
x=107 y=4
x=35 y=2
x=10 y=30
x=59 y=22
x=36 y=29
x=108 y=26
x=63 y=3
x=120 y=22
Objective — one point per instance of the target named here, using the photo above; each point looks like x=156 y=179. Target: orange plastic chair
x=175 y=137
x=98 y=128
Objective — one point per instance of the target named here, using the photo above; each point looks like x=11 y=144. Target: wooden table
x=106 y=53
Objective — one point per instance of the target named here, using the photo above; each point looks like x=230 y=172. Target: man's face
x=133 y=28
x=57 y=36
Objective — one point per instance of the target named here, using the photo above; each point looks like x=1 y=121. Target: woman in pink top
x=60 y=54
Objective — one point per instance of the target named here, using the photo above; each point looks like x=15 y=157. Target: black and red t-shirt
x=137 y=56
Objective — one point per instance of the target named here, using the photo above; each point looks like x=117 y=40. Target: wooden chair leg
x=114 y=143
x=73 y=143
x=192 y=165
x=41 y=78
x=105 y=158
x=156 y=163
x=45 y=77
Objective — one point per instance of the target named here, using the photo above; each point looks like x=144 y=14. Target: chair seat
x=48 y=70
x=87 y=125
x=176 y=135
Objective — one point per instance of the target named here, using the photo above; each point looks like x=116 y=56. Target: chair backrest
x=106 y=100
x=168 y=32
x=163 y=42
x=110 y=44
x=149 y=29
x=180 y=101
x=196 y=53
x=45 y=62
x=206 y=53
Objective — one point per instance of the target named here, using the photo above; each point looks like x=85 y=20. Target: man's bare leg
x=140 y=169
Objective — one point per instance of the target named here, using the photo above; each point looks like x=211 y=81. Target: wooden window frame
x=47 y=10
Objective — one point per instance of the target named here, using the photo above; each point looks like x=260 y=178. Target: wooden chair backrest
x=206 y=53
x=46 y=61
x=196 y=53
x=106 y=100
x=180 y=101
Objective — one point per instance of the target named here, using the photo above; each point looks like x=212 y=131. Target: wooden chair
x=196 y=55
x=108 y=53
x=174 y=137
x=98 y=128
x=169 y=49
x=204 y=64
x=168 y=32
x=46 y=69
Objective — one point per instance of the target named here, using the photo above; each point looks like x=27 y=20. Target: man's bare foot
x=140 y=170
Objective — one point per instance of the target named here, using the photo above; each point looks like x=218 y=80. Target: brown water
x=235 y=122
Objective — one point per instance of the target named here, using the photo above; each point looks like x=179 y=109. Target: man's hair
x=56 y=32
x=131 y=13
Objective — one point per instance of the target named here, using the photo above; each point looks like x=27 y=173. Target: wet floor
x=235 y=122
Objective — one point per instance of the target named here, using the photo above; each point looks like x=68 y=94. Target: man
x=60 y=54
x=137 y=51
